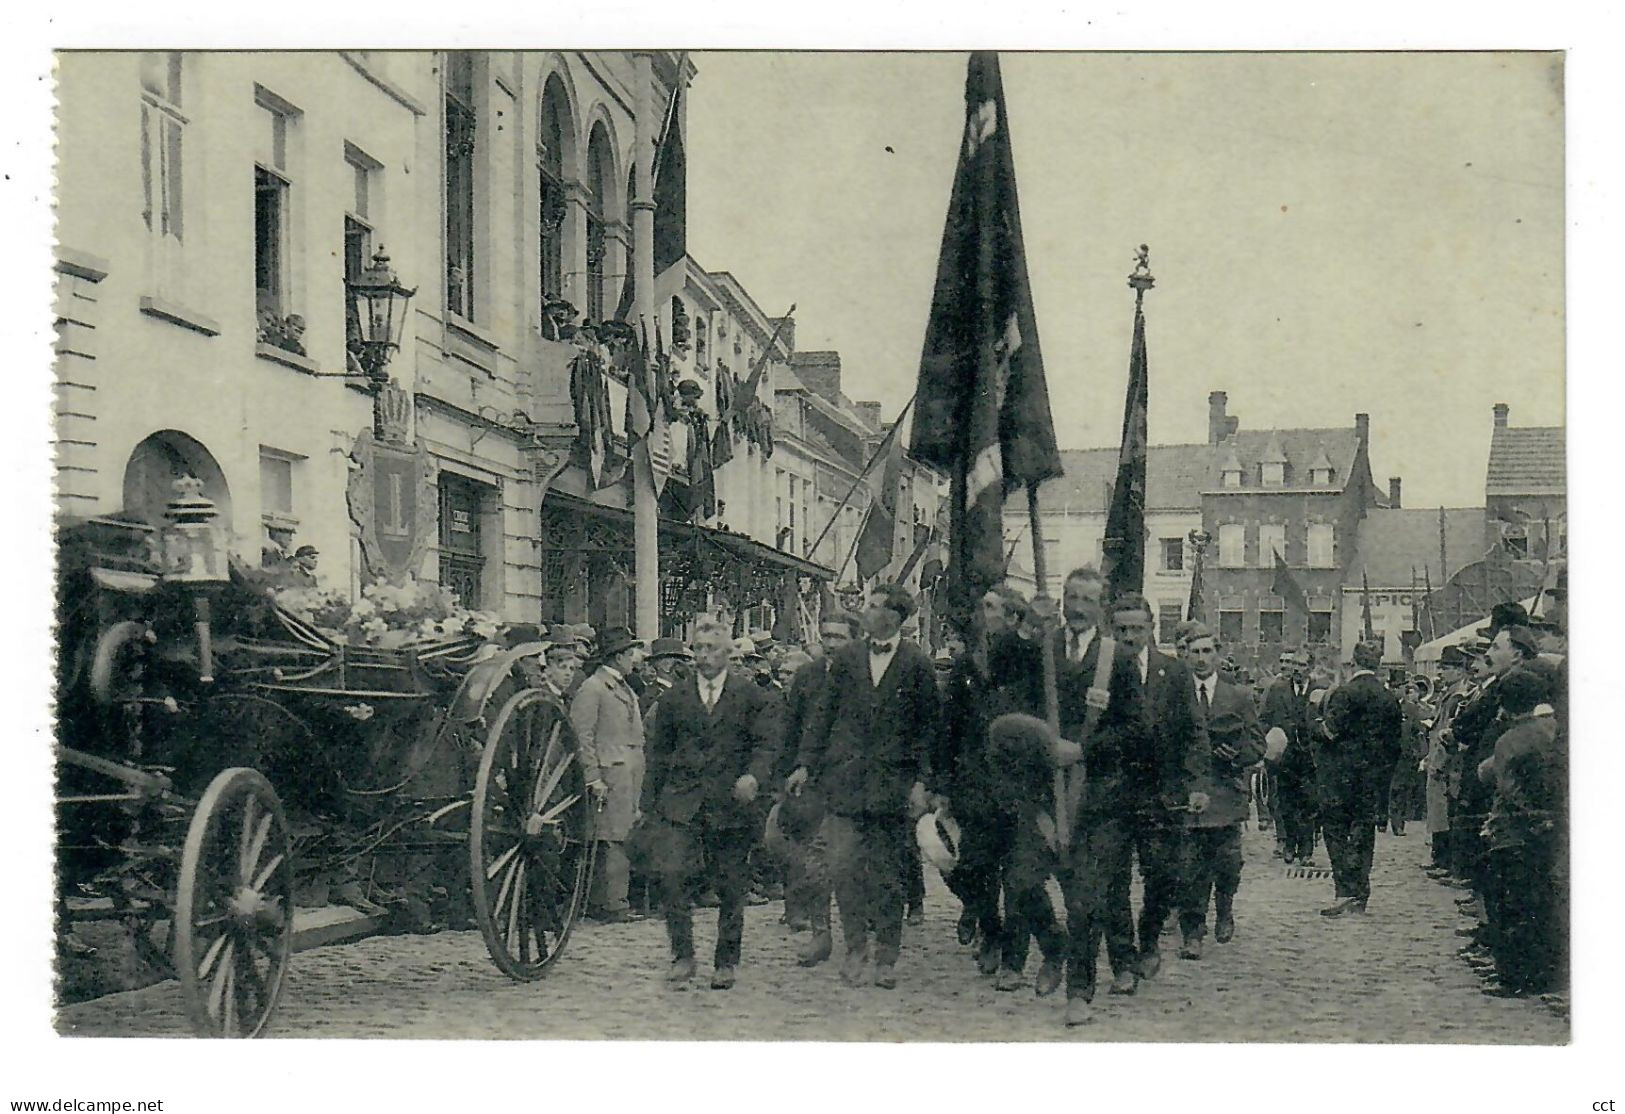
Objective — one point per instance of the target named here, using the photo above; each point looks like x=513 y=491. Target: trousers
x=611 y=880
x=715 y=857
x=867 y=859
x=1159 y=845
x=1351 y=838
x=806 y=881
x=1212 y=873
x=1522 y=901
x=1097 y=865
x=1295 y=826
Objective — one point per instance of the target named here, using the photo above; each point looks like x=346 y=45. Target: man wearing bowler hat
x=868 y=746
x=1353 y=764
x=609 y=737
x=711 y=749
x=668 y=663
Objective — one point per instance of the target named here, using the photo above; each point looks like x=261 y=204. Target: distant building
x=1398 y=555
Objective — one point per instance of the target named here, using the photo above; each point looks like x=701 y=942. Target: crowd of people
x=729 y=771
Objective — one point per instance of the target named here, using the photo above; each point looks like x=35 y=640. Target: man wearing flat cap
x=1353 y=764
x=1451 y=691
x=609 y=738
x=868 y=749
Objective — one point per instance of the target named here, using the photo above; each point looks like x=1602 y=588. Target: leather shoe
x=852 y=966
x=1150 y=964
x=817 y=949
x=723 y=979
x=1049 y=977
x=682 y=969
x=1345 y=906
x=885 y=976
x=965 y=933
x=1224 y=930
x=987 y=959
x=1191 y=949
x=1078 y=1012
x=1009 y=980
x=1123 y=982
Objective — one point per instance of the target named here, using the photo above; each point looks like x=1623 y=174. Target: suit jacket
x=1122 y=769
x=1362 y=742
x=980 y=782
x=866 y=744
x=1476 y=727
x=696 y=755
x=1177 y=728
x=1285 y=708
x=800 y=702
x=1231 y=721
x=609 y=737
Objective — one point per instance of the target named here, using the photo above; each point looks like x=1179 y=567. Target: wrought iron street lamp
x=380 y=311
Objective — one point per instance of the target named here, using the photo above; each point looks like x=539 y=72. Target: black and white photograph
x=963 y=547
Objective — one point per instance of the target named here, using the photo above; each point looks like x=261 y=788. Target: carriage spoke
x=251 y=860
x=245 y=843
x=217 y=988
x=211 y=955
x=555 y=776
x=265 y=873
x=505 y=888
x=518 y=900
x=491 y=872
x=552 y=814
x=537 y=795
x=230 y=1000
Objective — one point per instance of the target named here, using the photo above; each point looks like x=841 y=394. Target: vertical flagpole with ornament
x=1124 y=546
x=645 y=510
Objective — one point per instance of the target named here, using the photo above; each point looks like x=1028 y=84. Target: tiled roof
x=1393 y=542
x=1526 y=461
x=1301 y=447
x=1174 y=478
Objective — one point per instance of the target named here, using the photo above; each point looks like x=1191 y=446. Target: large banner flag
x=984 y=407
x=670 y=187
x=877 y=541
x=1287 y=587
x=1124 y=546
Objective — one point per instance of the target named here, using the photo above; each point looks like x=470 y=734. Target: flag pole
x=756 y=368
x=1052 y=694
x=868 y=467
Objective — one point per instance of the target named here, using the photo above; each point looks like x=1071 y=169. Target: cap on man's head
x=896 y=598
x=1190 y=631
x=307 y=551
x=1453 y=656
x=1523 y=639
x=1504 y=615
x=663 y=648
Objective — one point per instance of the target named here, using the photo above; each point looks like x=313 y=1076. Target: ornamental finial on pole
x=1141 y=280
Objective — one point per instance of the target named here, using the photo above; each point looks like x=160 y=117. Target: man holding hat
x=712 y=746
x=609 y=738
x=868 y=747
x=1286 y=708
x=1355 y=760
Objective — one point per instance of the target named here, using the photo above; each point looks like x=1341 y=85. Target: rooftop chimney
x=1393 y=491
x=1501 y=412
x=1362 y=427
x=1219 y=426
x=870 y=411
x=821 y=371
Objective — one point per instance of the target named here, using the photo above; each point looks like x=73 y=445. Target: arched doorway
x=155 y=465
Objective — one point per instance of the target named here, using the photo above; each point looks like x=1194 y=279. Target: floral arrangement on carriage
x=389 y=616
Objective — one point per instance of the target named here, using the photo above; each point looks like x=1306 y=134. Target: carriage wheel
x=530 y=836
x=233 y=924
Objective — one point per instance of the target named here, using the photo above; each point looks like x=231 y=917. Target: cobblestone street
x=1289 y=976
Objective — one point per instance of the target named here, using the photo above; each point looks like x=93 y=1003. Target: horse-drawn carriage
x=219 y=758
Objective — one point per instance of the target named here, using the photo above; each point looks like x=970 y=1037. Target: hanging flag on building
x=741 y=400
x=877 y=540
x=1196 y=607
x=639 y=391
x=985 y=416
x=1124 y=546
x=669 y=185
x=1286 y=585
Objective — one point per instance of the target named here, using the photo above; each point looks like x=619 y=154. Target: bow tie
x=882 y=647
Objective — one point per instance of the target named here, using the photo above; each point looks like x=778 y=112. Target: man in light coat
x=609 y=734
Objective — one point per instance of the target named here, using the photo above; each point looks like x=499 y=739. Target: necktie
x=882 y=647
x=1206 y=707
x=1072 y=642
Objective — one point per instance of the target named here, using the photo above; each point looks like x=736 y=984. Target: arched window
x=598 y=187
x=550 y=162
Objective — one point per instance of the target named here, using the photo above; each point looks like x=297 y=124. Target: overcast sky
x=1330 y=233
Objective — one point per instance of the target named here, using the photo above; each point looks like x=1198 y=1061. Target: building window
x=1173 y=554
x=795 y=545
x=1320 y=477
x=163 y=126
x=1271 y=627
x=1230 y=627
x=550 y=162
x=1169 y=616
x=270 y=249
x=462 y=548
x=1233 y=545
x=1322 y=546
x=460 y=131
x=358 y=239
x=598 y=165
x=1320 y=626
x=1273 y=474
x=1271 y=540
x=276 y=486
x=1231 y=477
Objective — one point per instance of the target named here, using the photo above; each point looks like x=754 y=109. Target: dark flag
x=1286 y=585
x=876 y=541
x=670 y=188
x=639 y=390
x=1124 y=546
x=984 y=407
x=923 y=536
x=1195 y=608
x=1365 y=608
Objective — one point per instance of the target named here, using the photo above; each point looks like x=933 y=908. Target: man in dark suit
x=1213 y=845
x=1286 y=707
x=1179 y=735
x=1353 y=764
x=713 y=745
x=1120 y=772
x=868 y=748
